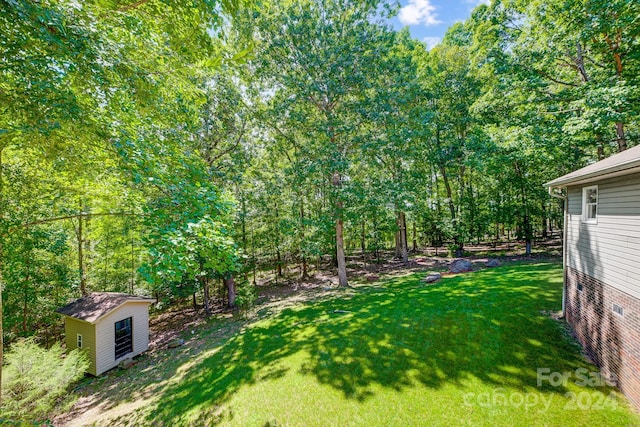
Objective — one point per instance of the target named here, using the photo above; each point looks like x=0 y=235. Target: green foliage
x=180 y=142
x=201 y=248
x=35 y=379
x=245 y=295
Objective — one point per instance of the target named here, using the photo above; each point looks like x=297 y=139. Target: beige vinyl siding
x=610 y=249
x=105 y=330
x=73 y=327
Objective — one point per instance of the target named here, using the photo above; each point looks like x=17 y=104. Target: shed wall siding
x=609 y=250
x=73 y=327
x=105 y=330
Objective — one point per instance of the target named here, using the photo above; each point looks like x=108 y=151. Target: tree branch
x=76 y=216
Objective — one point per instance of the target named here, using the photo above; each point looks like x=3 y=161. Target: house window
x=617 y=309
x=590 y=204
x=79 y=341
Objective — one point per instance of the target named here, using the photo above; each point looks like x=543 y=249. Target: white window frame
x=79 y=341
x=585 y=211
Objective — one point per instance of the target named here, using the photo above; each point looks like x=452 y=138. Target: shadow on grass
x=486 y=325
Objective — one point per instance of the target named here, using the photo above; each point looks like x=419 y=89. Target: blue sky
x=428 y=20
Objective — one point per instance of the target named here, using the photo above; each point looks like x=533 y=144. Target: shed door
x=124 y=337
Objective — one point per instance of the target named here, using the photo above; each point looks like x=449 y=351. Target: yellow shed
x=109 y=327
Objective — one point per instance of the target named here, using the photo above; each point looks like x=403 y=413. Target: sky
x=428 y=20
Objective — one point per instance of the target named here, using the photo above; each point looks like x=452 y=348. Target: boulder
x=175 y=343
x=460 y=266
x=432 y=277
x=126 y=363
x=493 y=263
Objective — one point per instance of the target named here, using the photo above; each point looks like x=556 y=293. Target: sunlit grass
x=462 y=352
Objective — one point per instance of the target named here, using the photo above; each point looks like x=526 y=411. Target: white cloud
x=431 y=42
x=419 y=12
x=478 y=2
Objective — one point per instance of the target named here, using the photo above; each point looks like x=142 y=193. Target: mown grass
x=462 y=352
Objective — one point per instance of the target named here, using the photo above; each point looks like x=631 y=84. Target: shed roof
x=619 y=164
x=93 y=306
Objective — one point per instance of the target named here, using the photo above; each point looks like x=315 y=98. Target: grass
x=396 y=353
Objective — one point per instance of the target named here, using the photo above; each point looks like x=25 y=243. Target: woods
x=181 y=150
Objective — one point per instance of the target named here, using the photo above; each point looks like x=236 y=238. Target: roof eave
x=615 y=171
x=77 y=318
x=147 y=301
x=97 y=319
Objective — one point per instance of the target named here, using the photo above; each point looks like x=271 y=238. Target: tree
x=326 y=53
x=97 y=81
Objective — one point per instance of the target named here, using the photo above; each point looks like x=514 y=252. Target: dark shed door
x=124 y=337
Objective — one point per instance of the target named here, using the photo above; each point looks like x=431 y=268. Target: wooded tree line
x=175 y=149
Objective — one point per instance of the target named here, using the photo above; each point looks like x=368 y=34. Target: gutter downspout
x=564 y=198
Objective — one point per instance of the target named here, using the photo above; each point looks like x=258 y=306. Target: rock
x=493 y=263
x=175 y=343
x=433 y=277
x=460 y=266
x=126 y=363
x=371 y=277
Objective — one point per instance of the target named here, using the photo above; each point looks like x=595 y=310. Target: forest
x=182 y=149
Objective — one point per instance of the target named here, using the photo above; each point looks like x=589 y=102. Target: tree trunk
x=363 y=238
x=401 y=237
x=526 y=221
x=1 y=278
x=620 y=137
x=545 y=221
x=459 y=247
x=340 y=258
x=277 y=242
x=133 y=264
x=278 y=263
x=25 y=307
x=205 y=294
x=303 y=274
x=81 y=269
x=231 y=290
x=415 y=239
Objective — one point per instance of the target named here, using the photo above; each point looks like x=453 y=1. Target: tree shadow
x=489 y=327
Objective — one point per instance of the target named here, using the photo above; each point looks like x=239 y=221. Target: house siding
x=608 y=250
x=105 y=330
x=604 y=258
x=73 y=327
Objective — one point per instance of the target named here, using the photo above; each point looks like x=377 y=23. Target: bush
x=34 y=378
x=245 y=295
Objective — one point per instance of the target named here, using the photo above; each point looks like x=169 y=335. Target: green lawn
x=462 y=352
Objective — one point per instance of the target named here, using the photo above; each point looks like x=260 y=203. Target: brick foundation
x=611 y=340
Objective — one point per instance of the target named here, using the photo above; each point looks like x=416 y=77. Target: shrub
x=245 y=295
x=35 y=378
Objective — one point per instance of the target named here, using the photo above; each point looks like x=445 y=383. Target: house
x=601 y=295
x=110 y=327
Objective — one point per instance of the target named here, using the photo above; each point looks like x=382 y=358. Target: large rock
x=176 y=342
x=126 y=363
x=432 y=277
x=493 y=263
x=460 y=266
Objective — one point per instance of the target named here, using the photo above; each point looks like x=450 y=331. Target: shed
x=110 y=327
x=601 y=294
